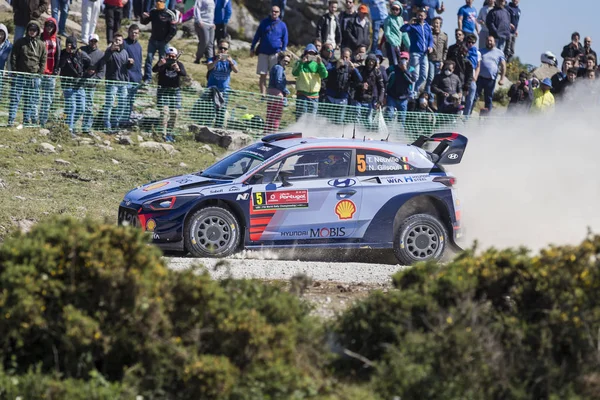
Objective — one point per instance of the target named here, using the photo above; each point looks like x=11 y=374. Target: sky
x=545 y=25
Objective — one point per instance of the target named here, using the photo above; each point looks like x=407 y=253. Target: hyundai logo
x=342 y=183
x=452 y=156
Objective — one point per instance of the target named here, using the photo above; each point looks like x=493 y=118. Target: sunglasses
x=395 y=9
x=223 y=48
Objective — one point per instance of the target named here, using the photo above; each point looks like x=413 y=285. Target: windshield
x=241 y=162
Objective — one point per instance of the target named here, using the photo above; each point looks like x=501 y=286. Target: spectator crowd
x=374 y=55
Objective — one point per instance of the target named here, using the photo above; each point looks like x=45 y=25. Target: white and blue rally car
x=289 y=191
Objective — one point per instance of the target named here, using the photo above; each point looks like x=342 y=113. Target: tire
x=420 y=237
x=212 y=232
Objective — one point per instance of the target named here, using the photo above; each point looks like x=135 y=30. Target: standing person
x=573 y=49
x=60 y=7
x=370 y=94
x=204 y=17
x=587 y=51
x=455 y=51
x=328 y=26
x=309 y=71
x=222 y=17
x=29 y=57
x=342 y=77
x=445 y=85
x=421 y=44
x=358 y=29
x=5 y=49
x=543 y=100
x=26 y=11
x=439 y=53
x=117 y=64
x=520 y=95
x=378 y=11
x=113 y=14
x=399 y=88
x=164 y=28
x=170 y=71
x=90 y=11
x=559 y=80
x=272 y=33
x=277 y=92
x=382 y=68
x=94 y=73
x=470 y=64
x=134 y=53
x=498 y=23
x=346 y=18
x=48 y=84
x=492 y=60
x=515 y=16
x=281 y=4
x=467 y=18
x=220 y=69
x=430 y=7
x=72 y=67
x=396 y=41
x=484 y=32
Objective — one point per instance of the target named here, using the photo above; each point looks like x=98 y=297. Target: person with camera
x=219 y=75
x=277 y=92
x=421 y=45
x=117 y=63
x=400 y=86
x=170 y=71
x=309 y=70
x=342 y=78
x=370 y=92
x=445 y=85
x=272 y=38
x=520 y=95
x=72 y=67
x=94 y=73
x=164 y=28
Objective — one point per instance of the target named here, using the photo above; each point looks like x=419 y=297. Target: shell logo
x=150 y=225
x=345 y=209
x=155 y=186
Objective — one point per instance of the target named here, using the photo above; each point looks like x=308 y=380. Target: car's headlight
x=166 y=203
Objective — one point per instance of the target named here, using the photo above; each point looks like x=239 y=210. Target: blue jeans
x=337 y=111
x=29 y=84
x=19 y=32
x=377 y=25
x=420 y=63
x=153 y=47
x=131 y=93
x=470 y=98
x=74 y=105
x=62 y=7
x=88 y=115
x=48 y=86
x=394 y=105
x=305 y=105
x=365 y=113
x=435 y=67
x=500 y=43
x=488 y=86
x=114 y=115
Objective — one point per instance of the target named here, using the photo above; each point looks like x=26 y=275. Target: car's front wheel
x=212 y=232
x=420 y=237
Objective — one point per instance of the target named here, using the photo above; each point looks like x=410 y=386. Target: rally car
x=289 y=191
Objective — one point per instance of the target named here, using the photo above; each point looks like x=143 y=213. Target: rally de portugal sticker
x=280 y=199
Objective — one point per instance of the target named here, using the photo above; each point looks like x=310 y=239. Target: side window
x=316 y=164
x=372 y=162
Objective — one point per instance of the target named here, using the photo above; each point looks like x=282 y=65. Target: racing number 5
x=258 y=198
x=361 y=165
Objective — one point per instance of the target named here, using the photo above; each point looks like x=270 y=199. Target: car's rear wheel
x=420 y=237
x=212 y=232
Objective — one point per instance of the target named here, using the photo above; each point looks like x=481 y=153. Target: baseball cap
x=363 y=9
x=94 y=37
x=172 y=50
x=404 y=54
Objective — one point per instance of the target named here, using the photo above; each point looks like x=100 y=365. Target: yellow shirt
x=542 y=101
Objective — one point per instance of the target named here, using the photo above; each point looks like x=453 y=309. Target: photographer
x=170 y=71
x=309 y=71
x=400 y=85
x=370 y=93
x=520 y=94
x=342 y=77
x=219 y=75
x=117 y=63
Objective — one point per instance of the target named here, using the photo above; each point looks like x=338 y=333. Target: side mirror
x=284 y=176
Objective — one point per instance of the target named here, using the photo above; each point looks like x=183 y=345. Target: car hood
x=183 y=184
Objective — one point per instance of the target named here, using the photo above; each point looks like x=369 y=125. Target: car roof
x=342 y=142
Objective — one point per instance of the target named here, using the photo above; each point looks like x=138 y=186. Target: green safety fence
x=101 y=105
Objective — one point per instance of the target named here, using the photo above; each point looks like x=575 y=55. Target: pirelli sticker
x=278 y=200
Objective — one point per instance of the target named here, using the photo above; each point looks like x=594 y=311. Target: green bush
x=503 y=324
x=83 y=301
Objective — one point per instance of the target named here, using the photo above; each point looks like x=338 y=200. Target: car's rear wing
x=450 y=149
